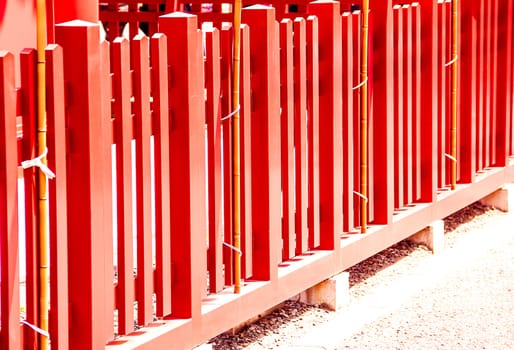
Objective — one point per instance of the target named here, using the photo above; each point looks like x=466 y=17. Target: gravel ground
x=407 y=298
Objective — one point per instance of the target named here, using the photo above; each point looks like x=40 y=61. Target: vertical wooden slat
x=212 y=114
x=29 y=117
x=122 y=114
x=108 y=247
x=468 y=92
x=300 y=134
x=487 y=67
x=9 y=275
x=287 y=138
x=398 y=107
x=428 y=125
x=480 y=89
x=442 y=59
x=357 y=51
x=90 y=205
x=407 y=104
x=448 y=92
x=347 y=101
x=330 y=121
x=226 y=108
x=161 y=132
x=416 y=101
x=503 y=104
x=142 y=132
x=187 y=163
x=264 y=46
x=493 y=82
x=56 y=143
x=313 y=210
x=371 y=155
x=382 y=109
x=246 y=155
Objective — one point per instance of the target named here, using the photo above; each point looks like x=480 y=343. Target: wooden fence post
x=246 y=155
x=265 y=119
x=398 y=107
x=287 y=137
x=9 y=294
x=504 y=97
x=313 y=130
x=88 y=186
x=56 y=142
x=300 y=134
x=348 y=63
x=468 y=92
x=122 y=124
x=330 y=121
x=408 y=95
x=428 y=141
x=140 y=53
x=213 y=120
x=161 y=132
x=382 y=111
x=28 y=68
x=187 y=163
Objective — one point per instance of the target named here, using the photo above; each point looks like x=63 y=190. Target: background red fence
x=141 y=208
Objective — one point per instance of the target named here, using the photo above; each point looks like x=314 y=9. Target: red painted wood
x=511 y=94
x=398 y=108
x=121 y=109
x=448 y=90
x=300 y=134
x=28 y=71
x=330 y=121
x=142 y=132
x=371 y=156
x=228 y=175
x=467 y=119
x=428 y=125
x=407 y=104
x=443 y=97
x=70 y=10
x=356 y=103
x=416 y=102
x=382 y=112
x=10 y=336
x=246 y=155
x=494 y=81
x=348 y=82
x=503 y=101
x=56 y=140
x=313 y=210
x=105 y=110
x=480 y=94
x=89 y=180
x=212 y=114
x=487 y=67
x=265 y=65
x=187 y=154
x=287 y=138
x=161 y=134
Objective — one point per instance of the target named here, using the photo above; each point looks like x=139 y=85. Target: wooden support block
x=332 y=293
x=431 y=236
x=502 y=199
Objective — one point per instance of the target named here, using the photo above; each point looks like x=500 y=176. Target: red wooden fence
x=139 y=136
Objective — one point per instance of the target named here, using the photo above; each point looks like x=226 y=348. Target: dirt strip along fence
x=140 y=140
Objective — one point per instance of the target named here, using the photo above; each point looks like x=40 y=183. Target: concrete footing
x=333 y=293
x=502 y=199
x=431 y=236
